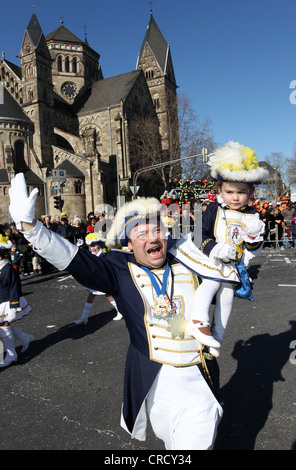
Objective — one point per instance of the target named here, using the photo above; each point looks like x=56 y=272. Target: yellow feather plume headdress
x=94 y=237
x=235 y=162
x=5 y=243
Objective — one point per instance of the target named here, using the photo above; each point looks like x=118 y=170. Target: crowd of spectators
x=279 y=218
x=186 y=191
x=74 y=229
x=280 y=222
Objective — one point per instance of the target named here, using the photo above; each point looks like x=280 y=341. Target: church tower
x=37 y=88
x=75 y=65
x=156 y=62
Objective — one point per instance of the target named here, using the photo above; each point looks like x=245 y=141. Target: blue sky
x=235 y=59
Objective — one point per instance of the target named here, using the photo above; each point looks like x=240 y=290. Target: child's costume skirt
x=12 y=314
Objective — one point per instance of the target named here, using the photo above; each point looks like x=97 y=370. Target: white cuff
x=219 y=253
x=55 y=249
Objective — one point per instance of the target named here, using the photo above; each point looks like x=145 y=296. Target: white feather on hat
x=129 y=215
x=235 y=162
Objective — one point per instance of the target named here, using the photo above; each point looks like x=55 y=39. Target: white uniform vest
x=163 y=347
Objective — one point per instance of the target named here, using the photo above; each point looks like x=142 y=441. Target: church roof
x=109 y=92
x=15 y=68
x=71 y=170
x=10 y=109
x=64 y=35
x=32 y=179
x=34 y=30
x=157 y=44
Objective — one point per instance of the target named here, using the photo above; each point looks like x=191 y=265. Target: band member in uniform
x=13 y=305
x=96 y=243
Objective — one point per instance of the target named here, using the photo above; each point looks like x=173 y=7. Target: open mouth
x=154 y=251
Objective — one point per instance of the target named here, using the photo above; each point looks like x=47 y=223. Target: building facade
x=58 y=112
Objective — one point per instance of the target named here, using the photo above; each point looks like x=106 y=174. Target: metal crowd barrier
x=273 y=236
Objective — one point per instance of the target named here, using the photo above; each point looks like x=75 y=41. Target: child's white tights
x=202 y=302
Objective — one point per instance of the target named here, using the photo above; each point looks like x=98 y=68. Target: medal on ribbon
x=161 y=307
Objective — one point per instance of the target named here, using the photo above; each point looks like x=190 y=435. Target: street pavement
x=65 y=392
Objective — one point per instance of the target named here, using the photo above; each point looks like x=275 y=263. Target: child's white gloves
x=254 y=229
x=223 y=252
x=22 y=206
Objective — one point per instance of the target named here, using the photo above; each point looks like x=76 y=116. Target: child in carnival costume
x=96 y=243
x=13 y=306
x=232 y=234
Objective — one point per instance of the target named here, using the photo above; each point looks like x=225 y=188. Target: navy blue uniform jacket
x=10 y=286
x=111 y=274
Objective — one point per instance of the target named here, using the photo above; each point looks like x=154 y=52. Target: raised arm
x=46 y=243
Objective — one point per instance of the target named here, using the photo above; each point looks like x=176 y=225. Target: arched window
x=59 y=63
x=77 y=187
x=149 y=74
x=156 y=101
x=74 y=65
x=67 y=65
x=19 y=157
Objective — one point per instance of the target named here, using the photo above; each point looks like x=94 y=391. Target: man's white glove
x=254 y=229
x=223 y=252
x=22 y=206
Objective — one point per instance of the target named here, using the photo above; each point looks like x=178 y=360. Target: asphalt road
x=65 y=392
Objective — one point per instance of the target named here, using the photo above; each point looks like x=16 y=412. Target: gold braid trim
x=233 y=271
x=253 y=246
x=205 y=243
x=203 y=357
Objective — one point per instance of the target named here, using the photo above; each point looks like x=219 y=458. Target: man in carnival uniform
x=13 y=306
x=167 y=372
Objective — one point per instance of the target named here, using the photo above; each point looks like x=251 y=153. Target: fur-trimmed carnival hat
x=5 y=243
x=235 y=162
x=128 y=216
x=94 y=238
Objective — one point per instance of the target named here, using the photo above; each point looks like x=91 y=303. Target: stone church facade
x=58 y=112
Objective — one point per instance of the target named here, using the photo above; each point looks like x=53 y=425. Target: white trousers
x=183 y=411
x=185 y=429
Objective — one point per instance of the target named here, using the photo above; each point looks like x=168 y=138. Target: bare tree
x=291 y=168
x=183 y=134
x=194 y=134
x=279 y=172
x=145 y=142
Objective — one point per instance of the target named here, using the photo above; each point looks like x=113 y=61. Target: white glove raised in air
x=22 y=206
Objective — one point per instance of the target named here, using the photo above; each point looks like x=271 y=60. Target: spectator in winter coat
x=293 y=230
